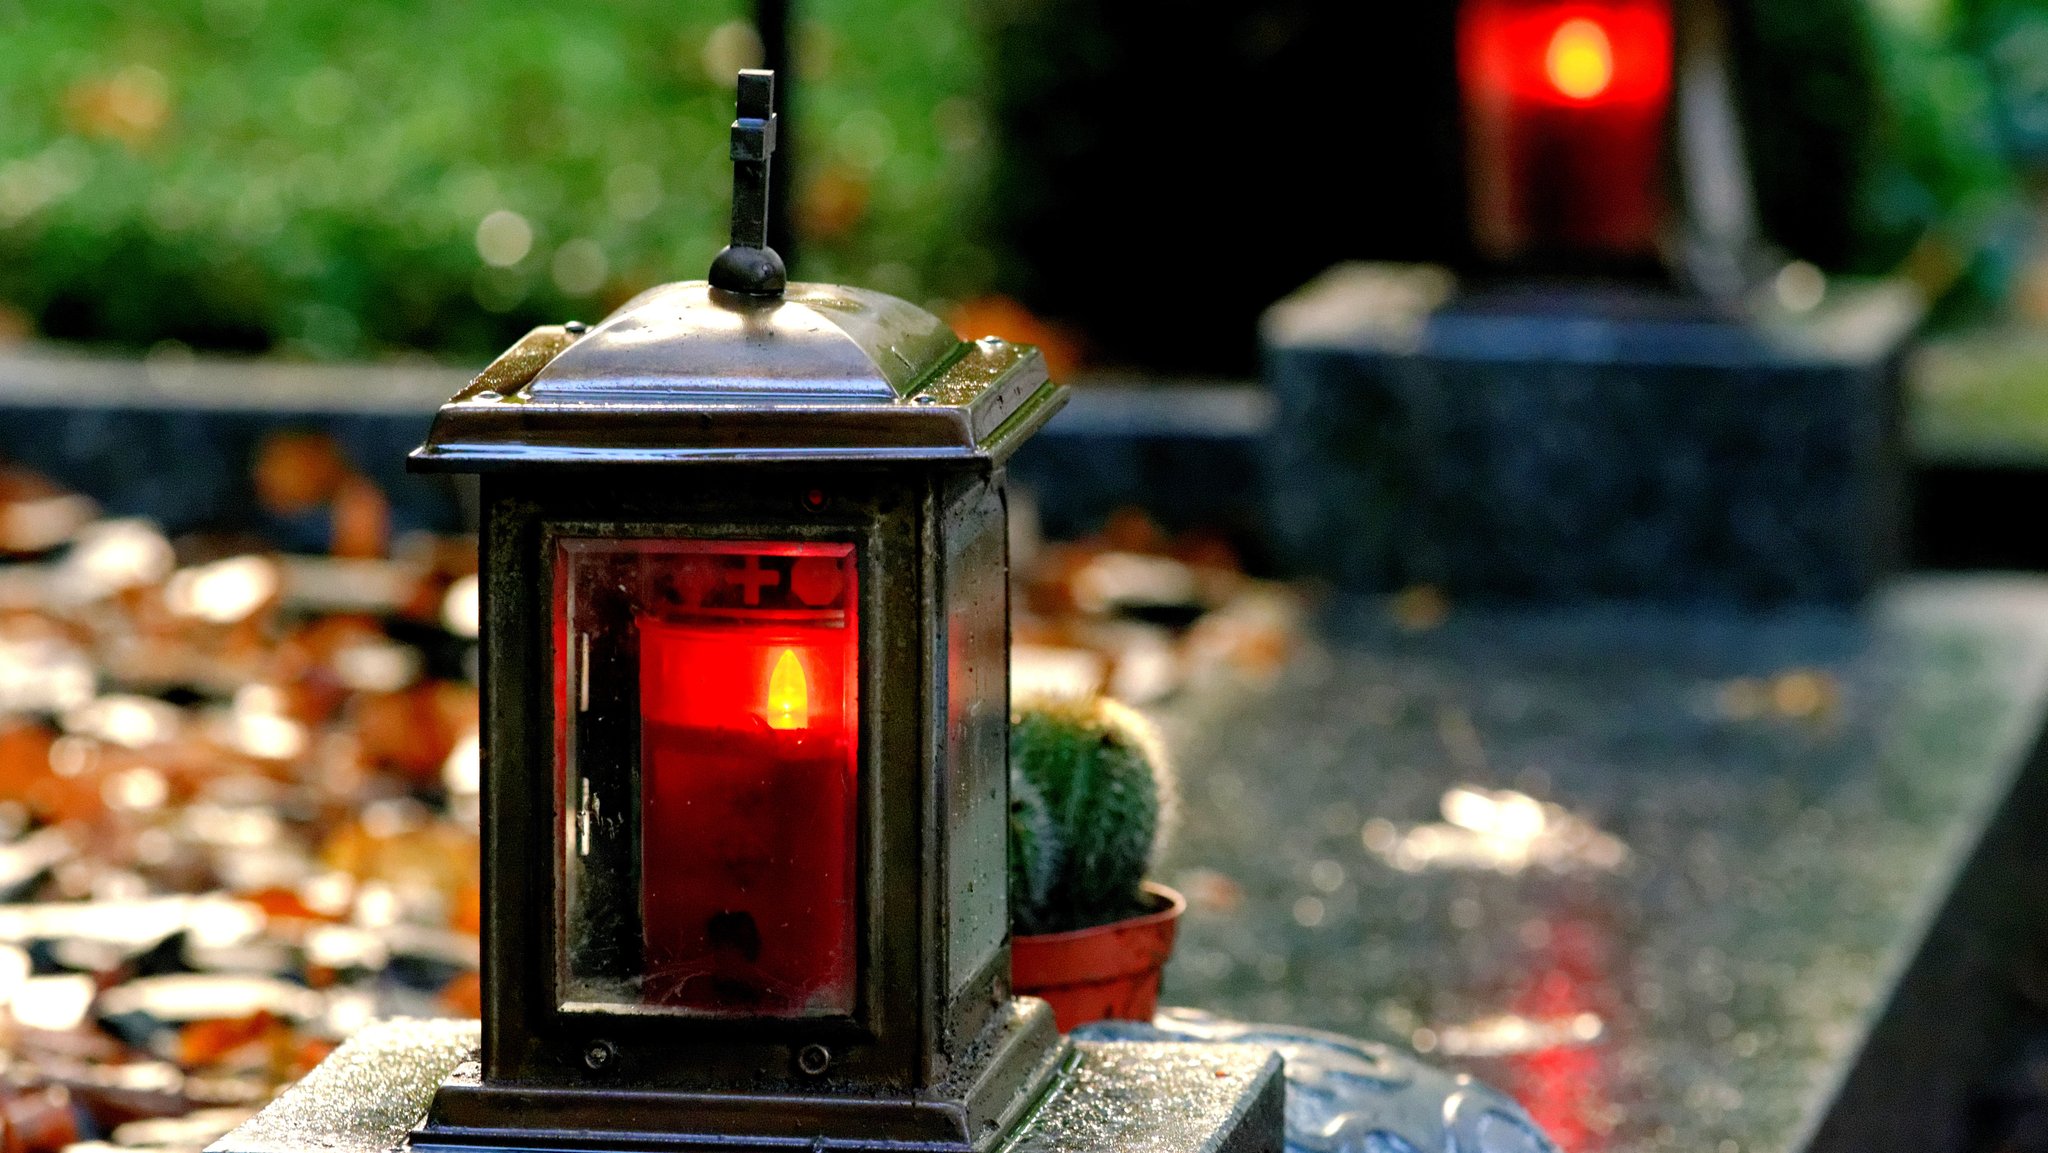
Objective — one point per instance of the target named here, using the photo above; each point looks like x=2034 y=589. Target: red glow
x=1567 y=1088
x=1549 y=51
x=1565 y=109
x=1580 y=60
x=1564 y=1087
x=747 y=770
x=708 y=722
x=725 y=676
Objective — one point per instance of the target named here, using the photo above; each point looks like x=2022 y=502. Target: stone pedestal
x=1112 y=1096
x=1559 y=442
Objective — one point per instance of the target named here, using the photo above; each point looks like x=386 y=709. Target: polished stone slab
x=1780 y=900
x=1346 y=1095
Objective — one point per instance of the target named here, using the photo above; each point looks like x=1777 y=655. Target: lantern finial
x=747 y=265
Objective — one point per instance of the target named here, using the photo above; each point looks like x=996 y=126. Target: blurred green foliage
x=1978 y=401
x=342 y=179
x=1945 y=171
x=893 y=118
x=1894 y=133
x=337 y=178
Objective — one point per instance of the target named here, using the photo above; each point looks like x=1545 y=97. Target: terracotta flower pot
x=1103 y=972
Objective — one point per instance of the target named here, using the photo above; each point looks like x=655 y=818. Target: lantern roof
x=689 y=372
x=745 y=366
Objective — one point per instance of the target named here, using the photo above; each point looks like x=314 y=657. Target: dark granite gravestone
x=171 y=437
x=1561 y=442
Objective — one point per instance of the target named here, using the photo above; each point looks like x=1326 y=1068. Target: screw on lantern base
x=747 y=265
x=814 y=1059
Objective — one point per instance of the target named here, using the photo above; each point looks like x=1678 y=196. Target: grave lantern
x=1566 y=107
x=745 y=730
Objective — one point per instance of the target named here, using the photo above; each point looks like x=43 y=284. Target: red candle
x=747 y=774
x=1566 y=105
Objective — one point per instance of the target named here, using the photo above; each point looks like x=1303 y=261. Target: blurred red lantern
x=1566 y=107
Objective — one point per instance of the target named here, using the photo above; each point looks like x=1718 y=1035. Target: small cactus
x=1087 y=786
x=1033 y=836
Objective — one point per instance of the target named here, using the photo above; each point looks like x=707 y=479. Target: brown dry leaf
x=414 y=730
x=999 y=316
x=1209 y=891
x=1419 y=608
x=296 y=472
x=204 y=1043
x=833 y=203
x=362 y=520
x=464 y=996
x=1131 y=529
x=1804 y=694
x=16 y=325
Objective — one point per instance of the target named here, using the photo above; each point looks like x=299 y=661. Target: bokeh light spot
x=1580 y=62
x=504 y=238
x=579 y=267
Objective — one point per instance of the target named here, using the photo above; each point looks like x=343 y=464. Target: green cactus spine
x=1087 y=785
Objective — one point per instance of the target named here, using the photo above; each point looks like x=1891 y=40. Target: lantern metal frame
x=748 y=409
x=922 y=1058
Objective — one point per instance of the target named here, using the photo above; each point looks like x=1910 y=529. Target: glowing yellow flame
x=789 y=694
x=1580 y=62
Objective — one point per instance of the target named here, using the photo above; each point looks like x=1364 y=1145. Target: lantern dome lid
x=689 y=371
x=690 y=342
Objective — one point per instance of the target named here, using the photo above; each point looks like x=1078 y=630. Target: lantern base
x=1106 y=1097
x=1018 y=1059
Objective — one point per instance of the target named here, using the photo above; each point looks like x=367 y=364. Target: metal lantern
x=746 y=707
x=745 y=736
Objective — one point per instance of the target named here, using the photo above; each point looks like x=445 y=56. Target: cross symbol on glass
x=752 y=579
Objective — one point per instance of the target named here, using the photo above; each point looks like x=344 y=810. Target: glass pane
x=707 y=696
x=978 y=722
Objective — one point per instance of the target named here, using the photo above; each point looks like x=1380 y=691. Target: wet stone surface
x=1651 y=874
x=366 y=1097
x=1345 y=1095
